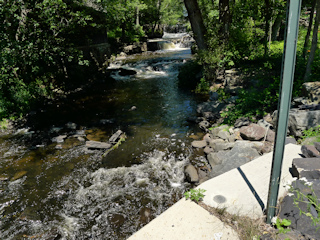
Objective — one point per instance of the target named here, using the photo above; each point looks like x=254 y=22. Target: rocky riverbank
x=227 y=147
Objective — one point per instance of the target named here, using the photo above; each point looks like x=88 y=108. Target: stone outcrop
x=301 y=222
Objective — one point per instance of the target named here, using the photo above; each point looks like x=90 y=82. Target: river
x=62 y=190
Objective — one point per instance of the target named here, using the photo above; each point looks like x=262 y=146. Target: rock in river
x=97 y=145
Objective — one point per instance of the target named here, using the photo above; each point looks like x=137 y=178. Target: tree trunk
x=306 y=41
x=196 y=22
x=276 y=26
x=313 y=44
x=267 y=26
x=137 y=17
x=224 y=19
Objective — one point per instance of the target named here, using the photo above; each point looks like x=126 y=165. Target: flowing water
x=62 y=190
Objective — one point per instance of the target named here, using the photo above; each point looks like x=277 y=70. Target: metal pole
x=287 y=75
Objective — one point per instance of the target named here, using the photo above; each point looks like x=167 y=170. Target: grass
x=245 y=227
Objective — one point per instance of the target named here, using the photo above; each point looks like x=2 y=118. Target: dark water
x=52 y=190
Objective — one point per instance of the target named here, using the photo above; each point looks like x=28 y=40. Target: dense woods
x=42 y=40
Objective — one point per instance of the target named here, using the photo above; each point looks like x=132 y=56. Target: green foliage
x=203 y=87
x=311 y=132
x=188 y=75
x=36 y=49
x=4 y=124
x=195 y=194
x=307 y=197
x=282 y=225
x=253 y=102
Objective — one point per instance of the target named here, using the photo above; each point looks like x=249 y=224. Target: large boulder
x=234 y=158
x=302 y=120
x=252 y=132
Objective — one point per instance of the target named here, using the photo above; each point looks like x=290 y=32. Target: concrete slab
x=244 y=190
x=185 y=220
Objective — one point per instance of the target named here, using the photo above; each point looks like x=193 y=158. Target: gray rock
x=252 y=132
x=309 y=151
x=191 y=174
x=309 y=141
x=317 y=145
x=59 y=139
x=105 y=121
x=208 y=150
x=216 y=158
x=213 y=96
x=263 y=123
x=232 y=159
x=306 y=167
x=97 y=145
x=300 y=120
x=244 y=144
x=300 y=222
x=224 y=134
x=209 y=116
x=297 y=101
x=115 y=136
x=203 y=125
x=215 y=131
x=213 y=106
x=291 y=140
x=199 y=144
x=312 y=91
x=268 y=119
x=219 y=146
x=241 y=122
x=71 y=125
x=271 y=136
x=214 y=141
x=207 y=138
x=267 y=147
x=81 y=139
x=58 y=146
x=133 y=108
x=79 y=133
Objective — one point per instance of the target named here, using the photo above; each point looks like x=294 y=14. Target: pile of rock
x=228 y=147
x=307 y=170
x=81 y=136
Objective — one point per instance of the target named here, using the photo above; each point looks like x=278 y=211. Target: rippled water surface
x=51 y=190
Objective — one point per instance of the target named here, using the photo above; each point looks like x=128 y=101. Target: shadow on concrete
x=255 y=194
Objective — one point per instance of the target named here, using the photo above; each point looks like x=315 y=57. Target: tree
x=196 y=21
x=36 y=48
x=306 y=41
x=224 y=19
x=313 y=44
